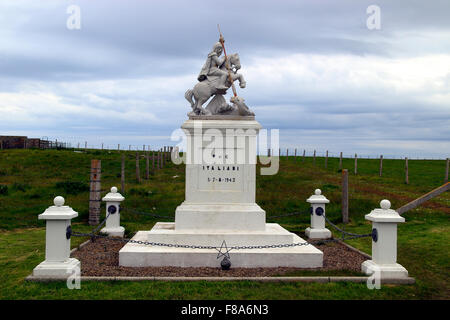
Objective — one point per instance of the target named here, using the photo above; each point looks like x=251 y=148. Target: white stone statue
x=214 y=80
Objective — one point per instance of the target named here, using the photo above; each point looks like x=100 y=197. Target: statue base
x=138 y=255
x=220 y=207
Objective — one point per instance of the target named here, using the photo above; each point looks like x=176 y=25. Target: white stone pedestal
x=57 y=263
x=112 y=226
x=384 y=244
x=317 y=229
x=220 y=206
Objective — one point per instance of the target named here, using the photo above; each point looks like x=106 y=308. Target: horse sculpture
x=203 y=90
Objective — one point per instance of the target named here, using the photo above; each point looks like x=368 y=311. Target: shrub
x=72 y=187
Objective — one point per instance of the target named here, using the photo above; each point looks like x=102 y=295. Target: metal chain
x=191 y=246
x=355 y=235
x=93 y=236
x=287 y=215
x=101 y=224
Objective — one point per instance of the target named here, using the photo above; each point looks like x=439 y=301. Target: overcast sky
x=313 y=69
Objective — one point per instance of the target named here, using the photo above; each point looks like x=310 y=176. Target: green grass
x=32 y=178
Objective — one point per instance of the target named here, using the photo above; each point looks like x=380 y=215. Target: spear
x=227 y=65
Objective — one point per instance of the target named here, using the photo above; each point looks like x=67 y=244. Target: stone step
x=138 y=255
x=236 y=216
x=165 y=232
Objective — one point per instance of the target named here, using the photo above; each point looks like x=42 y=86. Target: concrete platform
x=385 y=271
x=50 y=269
x=138 y=255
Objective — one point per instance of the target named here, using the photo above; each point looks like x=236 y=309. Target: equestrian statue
x=216 y=77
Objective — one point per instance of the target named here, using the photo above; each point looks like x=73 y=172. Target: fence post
x=304 y=154
x=340 y=161
x=147 y=165
x=317 y=210
x=95 y=192
x=153 y=162
x=384 y=244
x=85 y=145
x=138 y=174
x=102 y=145
x=118 y=147
x=112 y=227
x=122 y=174
x=345 y=196
x=446 y=171
x=381 y=165
x=356 y=163
x=406 y=171
x=158 y=158
x=326 y=160
x=287 y=153
x=57 y=263
x=295 y=152
x=314 y=158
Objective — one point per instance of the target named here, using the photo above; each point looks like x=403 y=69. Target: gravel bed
x=101 y=258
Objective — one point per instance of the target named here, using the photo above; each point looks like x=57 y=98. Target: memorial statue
x=217 y=75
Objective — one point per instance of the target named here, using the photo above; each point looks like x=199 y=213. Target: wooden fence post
x=304 y=154
x=314 y=158
x=158 y=159
x=356 y=163
x=295 y=154
x=406 y=171
x=122 y=174
x=147 y=165
x=340 y=161
x=118 y=147
x=85 y=145
x=326 y=160
x=138 y=174
x=153 y=162
x=446 y=171
x=95 y=192
x=345 y=196
x=381 y=165
x=287 y=153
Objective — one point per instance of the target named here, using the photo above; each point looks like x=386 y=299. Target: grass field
x=30 y=179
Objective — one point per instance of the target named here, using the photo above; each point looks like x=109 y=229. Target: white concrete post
x=317 y=229
x=57 y=242
x=112 y=226
x=384 y=243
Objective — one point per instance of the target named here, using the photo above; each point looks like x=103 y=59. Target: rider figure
x=212 y=67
